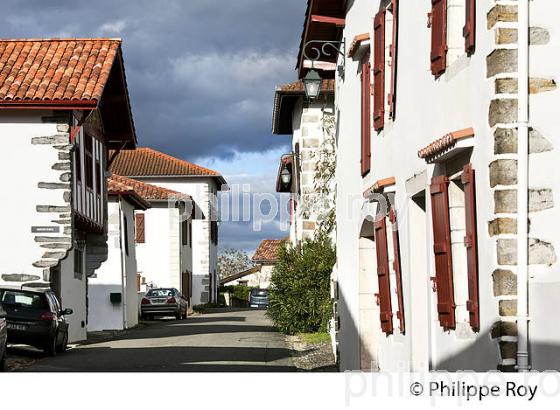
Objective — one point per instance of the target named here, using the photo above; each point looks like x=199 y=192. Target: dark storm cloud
x=201 y=73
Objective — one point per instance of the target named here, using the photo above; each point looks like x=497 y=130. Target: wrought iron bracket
x=315 y=49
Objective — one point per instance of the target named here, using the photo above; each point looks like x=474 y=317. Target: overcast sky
x=201 y=75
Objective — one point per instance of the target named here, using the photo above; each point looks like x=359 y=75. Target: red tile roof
x=147 y=162
x=148 y=192
x=69 y=74
x=444 y=143
x=268 y=250
x=297 y=87
x=56 y=69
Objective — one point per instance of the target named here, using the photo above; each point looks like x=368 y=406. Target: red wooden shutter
x=394 y=54
x=469 y=31
x=140 y=228
x=379 y=71
x=468 y=180
x=439 y=36
x=386 y=313
x=397 y=269
x=366 y=115
x=442 y=252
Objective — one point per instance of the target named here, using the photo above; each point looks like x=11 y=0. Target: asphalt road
x=233 y=341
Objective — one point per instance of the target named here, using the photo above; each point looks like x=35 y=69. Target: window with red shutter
x=366 y=115
x=469 y=31
x=438 y=23
x=379 y=71
x=397 y=269
x=384 y=295
x=140 y=228
x=394 y=54
x=468 y=180
x=442 y=252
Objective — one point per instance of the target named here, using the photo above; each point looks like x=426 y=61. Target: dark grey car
x=258 y=298
x=164 y=302
x=36 y=318
x=3 y=338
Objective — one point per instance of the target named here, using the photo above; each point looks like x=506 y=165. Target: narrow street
x=232 y=341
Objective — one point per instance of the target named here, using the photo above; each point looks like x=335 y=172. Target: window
x=366 y=115
x=78 y=162
x=125 y=229
x=459 y=287
x=453 y=25
x=140 y=228
x=214 y=232
x=99 y=177
x=89 y=161
x=385 y=35
x=185 y=233
x=389 y=277
x=78 y=264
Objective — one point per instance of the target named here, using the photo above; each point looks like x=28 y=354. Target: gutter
x=523 y=189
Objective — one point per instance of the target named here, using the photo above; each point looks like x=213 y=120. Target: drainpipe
x=523 y=189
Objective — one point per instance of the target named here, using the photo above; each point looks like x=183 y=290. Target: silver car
x=3 y=338
x=163 y=302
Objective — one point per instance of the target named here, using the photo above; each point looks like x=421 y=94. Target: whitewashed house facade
x=63 y=104
x=113 y=288
x=437 y=267
x=202 y=185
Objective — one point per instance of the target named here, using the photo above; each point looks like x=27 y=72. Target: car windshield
x=158 y=293
x=24 y=299
x=259 y=292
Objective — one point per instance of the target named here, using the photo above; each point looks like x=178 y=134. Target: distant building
x=150 y=166
x=63 y=105
x=265 y=259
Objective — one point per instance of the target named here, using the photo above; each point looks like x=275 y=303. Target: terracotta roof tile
x=356 y=42
x=55 y=69
x=297 y=87
x=148 y=192
x=147 y=162
x=379 y=186
x=444 y=143
x=268 y=250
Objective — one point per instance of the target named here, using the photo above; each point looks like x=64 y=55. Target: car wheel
x=64 y=345
x=51 y=347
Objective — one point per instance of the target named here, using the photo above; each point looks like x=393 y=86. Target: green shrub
x=299 y=295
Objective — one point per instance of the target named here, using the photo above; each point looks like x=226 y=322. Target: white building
x=63 y=105
x=428 y=132
x=113 y=288
x=202 y=184
x=308 y=123
x=258 y=276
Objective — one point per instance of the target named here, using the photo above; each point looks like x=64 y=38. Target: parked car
x=163 y=302
x=36 y=318
x=3 y=338
x=258 y=298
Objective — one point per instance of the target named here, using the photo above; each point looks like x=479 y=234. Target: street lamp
x=312 y=82
x=286 y=176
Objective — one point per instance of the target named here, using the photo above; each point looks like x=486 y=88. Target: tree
x=232 y=261
x=299 y=295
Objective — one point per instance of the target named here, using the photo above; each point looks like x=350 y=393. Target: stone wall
x=502 y=70
x=56 y=245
